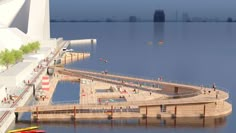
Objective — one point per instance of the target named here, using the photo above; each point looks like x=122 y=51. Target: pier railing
x=65 y=102
x=121 y=104
x=137 y=83
x=156 y=79
x=114 y=73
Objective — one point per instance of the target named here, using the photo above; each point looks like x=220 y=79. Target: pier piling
x=204 y=111
x=146 y=111
x=111 y=111
x=33 y=89
x=71 y=57
x=37 y=113
x=65 y=59
x=175 y=111
x=17 y=115
x=176 y=90
x=74 y=112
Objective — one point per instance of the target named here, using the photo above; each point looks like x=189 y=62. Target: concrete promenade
x=49 y=94
x=22 y=93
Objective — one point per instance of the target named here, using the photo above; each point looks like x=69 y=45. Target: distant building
x=229 y=19
x=109 y=20
x=197 y=19
x=159 y=16
x=186 y=17
x=132 y=19
x=176 y=16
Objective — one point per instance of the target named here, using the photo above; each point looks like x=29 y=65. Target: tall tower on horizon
x=159 y=16
x=186 y=17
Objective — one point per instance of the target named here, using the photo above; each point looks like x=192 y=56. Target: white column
x=39 y=20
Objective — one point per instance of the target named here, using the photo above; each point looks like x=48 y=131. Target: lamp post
x=6 y=92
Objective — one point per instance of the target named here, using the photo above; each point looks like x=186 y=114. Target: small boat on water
x=149 y=43
x=103 y=60
x=33 y=129
x=160 y=42
x=67 y=50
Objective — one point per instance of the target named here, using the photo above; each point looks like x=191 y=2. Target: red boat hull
x=33 y=131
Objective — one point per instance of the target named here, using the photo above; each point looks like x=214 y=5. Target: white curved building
x=22 y=21
x=9 y=10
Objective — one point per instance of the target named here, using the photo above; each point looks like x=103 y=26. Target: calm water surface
x=66 y=91
x=198 y=53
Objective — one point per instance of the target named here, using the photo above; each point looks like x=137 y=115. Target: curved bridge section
x=173 y=90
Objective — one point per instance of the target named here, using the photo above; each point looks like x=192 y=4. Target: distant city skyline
x=119 y=9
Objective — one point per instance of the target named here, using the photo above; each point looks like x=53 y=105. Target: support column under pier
x=204 y=111
x=33 y=89
x=74 y=112
x=17 y=115
x=175 y=115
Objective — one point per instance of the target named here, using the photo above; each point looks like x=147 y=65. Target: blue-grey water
x=197 y=53
x=66 y=92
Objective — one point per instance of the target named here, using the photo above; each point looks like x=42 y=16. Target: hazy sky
x=83 y=9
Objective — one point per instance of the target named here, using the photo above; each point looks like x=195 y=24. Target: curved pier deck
x=141 y=98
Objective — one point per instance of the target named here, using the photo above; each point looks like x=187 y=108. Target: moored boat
x=33 y=129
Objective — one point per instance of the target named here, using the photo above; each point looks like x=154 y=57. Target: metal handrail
x=156 y=79
x=65 y=102
x=127 y=75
